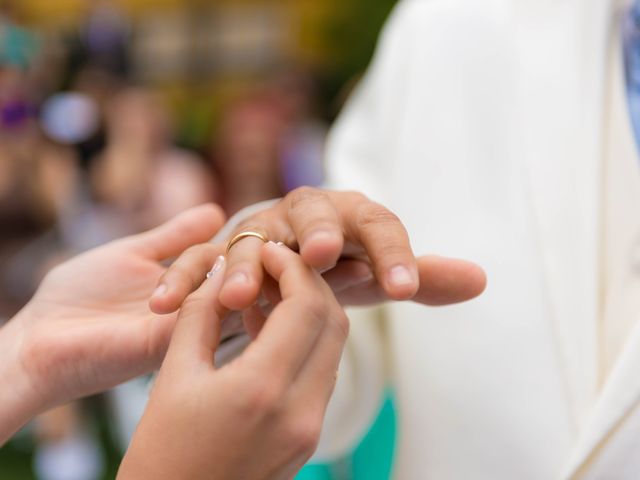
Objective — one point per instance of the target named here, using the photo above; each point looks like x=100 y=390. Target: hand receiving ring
x=243 y=235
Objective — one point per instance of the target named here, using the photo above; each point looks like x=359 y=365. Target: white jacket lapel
x=621 y=391
x=619 y=397
x=561 y=90
x=562 y=93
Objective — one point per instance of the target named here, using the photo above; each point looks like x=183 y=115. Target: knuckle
x=371 y=214
x=193 y=300
x=182 y=274
x=262 y=222
x=303 y=195
x=356 y=196
x=192 y=303
x=251 y=223
x=342 y=323
x=262 y=397
x=392 y=251
x=304 y=434
x=317 y=309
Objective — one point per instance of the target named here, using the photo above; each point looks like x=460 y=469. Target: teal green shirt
x=371 y=460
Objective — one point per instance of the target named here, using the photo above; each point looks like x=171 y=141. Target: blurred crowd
x=88 y=153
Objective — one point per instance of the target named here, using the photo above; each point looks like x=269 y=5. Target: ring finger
x=244 y=274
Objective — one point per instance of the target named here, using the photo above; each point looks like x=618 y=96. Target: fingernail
x=321 y=236
x=160 y=290
x=400 y=275
x=238 y=278
x=216 y=266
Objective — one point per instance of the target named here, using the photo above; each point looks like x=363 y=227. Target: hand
x=363 y=248
x=258 y=417
x=89 y=328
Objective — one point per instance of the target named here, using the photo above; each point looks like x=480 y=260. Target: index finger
x=197 y=331
x=294 y=326
x=386 y=242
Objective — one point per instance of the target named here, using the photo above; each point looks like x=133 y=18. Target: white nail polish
x=216 y=267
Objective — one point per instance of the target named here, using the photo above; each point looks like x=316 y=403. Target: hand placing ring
x=362 y=248
x=246 y=234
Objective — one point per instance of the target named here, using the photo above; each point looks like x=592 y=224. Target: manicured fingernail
x=216 y=266
x=160 y=290
x=400 y=275
x=238 y=278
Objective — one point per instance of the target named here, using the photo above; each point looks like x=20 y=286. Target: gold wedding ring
x=246 y=234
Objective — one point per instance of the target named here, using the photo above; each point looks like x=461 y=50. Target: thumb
x=197 y=331
x=444 y=281
x=193 y=226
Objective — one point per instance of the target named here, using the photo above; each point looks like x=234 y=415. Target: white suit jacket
x=480 y=125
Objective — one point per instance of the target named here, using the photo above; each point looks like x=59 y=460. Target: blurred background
x=115 y=115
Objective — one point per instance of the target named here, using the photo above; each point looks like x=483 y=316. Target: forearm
x=19 y=401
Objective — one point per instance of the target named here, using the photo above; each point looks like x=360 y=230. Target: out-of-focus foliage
x=352 y=34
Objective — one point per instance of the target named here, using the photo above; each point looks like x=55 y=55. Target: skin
x=362 y=248
x=267 y=405
x=88 y=328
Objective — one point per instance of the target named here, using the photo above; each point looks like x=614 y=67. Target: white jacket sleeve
x=371 y=123
x=357 y=160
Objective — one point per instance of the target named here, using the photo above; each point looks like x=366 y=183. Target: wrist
x=20 y=401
